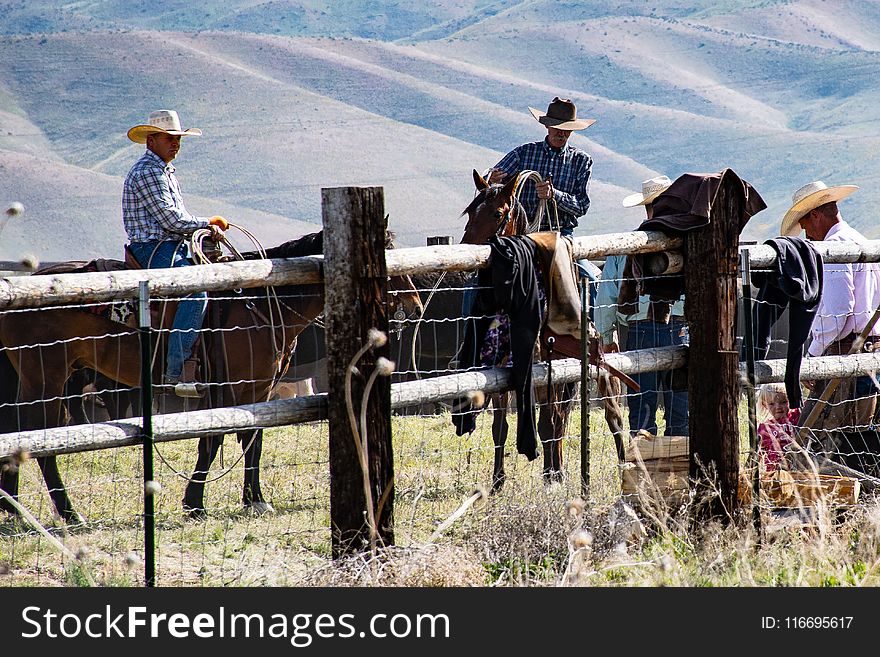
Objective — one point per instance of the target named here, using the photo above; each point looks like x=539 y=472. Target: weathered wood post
x=356 y=283
x=713 y=371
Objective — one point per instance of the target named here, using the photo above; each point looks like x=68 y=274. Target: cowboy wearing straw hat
x=850 y=293
x=564 y=168
x=157 y=223
x=651 y=324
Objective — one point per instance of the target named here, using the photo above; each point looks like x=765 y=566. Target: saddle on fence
x=563 y=320
x=522 y=269
x=565 y=346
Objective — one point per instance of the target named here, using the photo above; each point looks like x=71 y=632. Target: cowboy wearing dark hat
x=564 y=168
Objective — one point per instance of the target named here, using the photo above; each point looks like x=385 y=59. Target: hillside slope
x=292 y=99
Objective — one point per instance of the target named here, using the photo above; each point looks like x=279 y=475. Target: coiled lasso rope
x=197 y=253
x=535 y=224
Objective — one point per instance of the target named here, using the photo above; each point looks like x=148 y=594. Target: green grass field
x=529 y=534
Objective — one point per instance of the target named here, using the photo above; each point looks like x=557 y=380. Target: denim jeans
x=643 y=405
x=190 y=310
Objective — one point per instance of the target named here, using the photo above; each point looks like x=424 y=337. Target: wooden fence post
x=356 y=283
x=713 y=359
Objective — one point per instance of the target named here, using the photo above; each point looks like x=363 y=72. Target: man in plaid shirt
x=564 y=168
x=157 y=223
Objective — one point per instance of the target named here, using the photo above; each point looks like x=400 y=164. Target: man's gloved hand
x=219 y=221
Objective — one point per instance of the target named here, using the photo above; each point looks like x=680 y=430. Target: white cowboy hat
x=809 y=197
x=165 y=121
x=651 y=189
x=561 y=114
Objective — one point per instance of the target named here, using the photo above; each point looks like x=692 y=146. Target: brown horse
x=495 y=211
x=254 y=350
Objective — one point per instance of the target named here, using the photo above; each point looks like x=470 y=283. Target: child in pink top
x=778 y=423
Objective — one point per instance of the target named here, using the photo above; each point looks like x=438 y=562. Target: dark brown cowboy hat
x=562 y=115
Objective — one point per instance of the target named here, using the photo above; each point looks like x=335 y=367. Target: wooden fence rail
x=39 y=291
x=193 y=424
x=49 y=290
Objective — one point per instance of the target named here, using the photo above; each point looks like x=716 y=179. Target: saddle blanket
x=122 y=312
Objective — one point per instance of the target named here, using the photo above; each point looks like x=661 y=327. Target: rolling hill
x=297 y=96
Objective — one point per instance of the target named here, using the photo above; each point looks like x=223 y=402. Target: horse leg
x=57 y=491
x=54 y=415
x=121 y=401
x=45 y=415
x=194 y=496
x=499 y=437
x=551 y=445
x=252 y=496
x=610 y=392
x=9 y=483
x=552 y=420
x=73 y=395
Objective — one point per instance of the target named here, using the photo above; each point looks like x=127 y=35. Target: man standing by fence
x=564 y=169
x=850 y=294
x=157 y=223
x=652 y=323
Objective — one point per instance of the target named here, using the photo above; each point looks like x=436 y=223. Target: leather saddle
x=567 y=346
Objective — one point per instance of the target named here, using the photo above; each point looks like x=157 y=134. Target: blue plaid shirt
x=570 y=168
x=152 y=205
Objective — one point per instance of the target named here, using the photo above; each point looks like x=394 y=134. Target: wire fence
x=434 y=468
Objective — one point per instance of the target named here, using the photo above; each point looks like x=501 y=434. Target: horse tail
x=8 y=393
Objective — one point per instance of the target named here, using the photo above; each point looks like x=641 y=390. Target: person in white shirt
x=850 y=294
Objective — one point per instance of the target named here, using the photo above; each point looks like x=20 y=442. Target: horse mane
x=311 y=244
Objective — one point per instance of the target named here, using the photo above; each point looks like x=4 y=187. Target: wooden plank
x=818 y=367
x=80 y=438
x=361 y=455
x=469 y=257
x=43 y=290
x=763 y=256
x=48 y=290
x=713 y=377
x=634 y=480
x=789 y=489
x=170 y=427
x=657 y=447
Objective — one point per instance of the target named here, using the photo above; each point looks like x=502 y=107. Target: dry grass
x=526 y=535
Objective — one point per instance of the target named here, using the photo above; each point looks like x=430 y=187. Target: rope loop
x=535 y=224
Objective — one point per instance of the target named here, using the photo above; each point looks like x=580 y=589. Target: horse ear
x=479 y=181
x=507 y=190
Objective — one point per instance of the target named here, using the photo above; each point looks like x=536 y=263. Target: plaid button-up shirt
x=152 y=204
x=570 y=168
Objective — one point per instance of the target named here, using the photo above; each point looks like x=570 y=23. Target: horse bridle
x=507 y=217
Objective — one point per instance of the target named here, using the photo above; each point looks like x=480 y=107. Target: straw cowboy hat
x=561 y=114
x=651 y=189
x=809 y=197
x=165 y=121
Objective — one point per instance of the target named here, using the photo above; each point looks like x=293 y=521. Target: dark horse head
x=494 y=211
